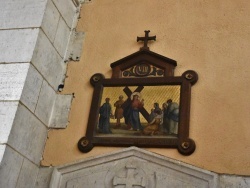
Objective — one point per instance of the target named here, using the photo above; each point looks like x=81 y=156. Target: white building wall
x=34 y=38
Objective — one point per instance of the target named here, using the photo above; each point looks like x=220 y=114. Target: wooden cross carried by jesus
x=128 y=92
x=145 y=40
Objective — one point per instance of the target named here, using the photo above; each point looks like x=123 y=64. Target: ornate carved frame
x=133 y=62
x=143 y=68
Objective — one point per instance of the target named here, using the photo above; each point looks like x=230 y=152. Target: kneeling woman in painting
x=153 y=127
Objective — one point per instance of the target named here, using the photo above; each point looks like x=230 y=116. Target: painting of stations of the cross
x=142 y=104
x=145 y=111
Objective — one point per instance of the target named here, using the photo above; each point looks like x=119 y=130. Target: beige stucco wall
x=211 y=37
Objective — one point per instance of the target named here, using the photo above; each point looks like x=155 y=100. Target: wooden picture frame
x=142 y=60
x=153 y=73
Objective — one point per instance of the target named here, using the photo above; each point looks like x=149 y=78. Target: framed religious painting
x=143 y=104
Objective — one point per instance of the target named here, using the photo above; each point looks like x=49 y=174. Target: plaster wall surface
x=210 y=37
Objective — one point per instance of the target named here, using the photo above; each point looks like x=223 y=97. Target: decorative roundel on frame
x=143 y=69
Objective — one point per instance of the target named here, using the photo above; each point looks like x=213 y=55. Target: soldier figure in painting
x=104 y=119
x=165 y=123
x=118 y=111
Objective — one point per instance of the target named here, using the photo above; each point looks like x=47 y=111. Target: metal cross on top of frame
x=145 y=40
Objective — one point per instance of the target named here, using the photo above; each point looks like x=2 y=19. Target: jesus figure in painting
x=132 y=113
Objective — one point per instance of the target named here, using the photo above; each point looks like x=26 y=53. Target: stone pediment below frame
x=131 y=167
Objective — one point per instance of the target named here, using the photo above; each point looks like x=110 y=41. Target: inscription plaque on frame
x=143 y=104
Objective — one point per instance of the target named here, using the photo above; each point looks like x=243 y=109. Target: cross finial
x=145 y=40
